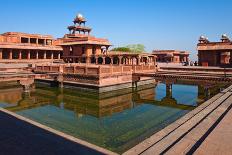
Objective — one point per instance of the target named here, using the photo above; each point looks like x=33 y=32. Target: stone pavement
x=219 y=140
x=196 y=133
x=20 y=138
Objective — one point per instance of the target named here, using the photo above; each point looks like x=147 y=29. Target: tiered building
x=80 y=47
x=215 y=53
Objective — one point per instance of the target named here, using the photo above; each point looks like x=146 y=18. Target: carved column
x=59 y=55
x=138 y=60
x=10 y=55
x=20 y=54
x=29 y=54
x=1 y=53
x=37 y=54
x=96 y=60
x=52 y=56
x=88 y=60
x=120 y=60
x=45 y=55
x=104 y=60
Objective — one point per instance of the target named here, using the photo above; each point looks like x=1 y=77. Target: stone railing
x=102 y=70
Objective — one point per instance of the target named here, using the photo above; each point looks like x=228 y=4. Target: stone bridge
x=177 y=75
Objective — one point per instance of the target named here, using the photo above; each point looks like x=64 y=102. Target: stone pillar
x=10 y=57
x=111 y=61
x=29 y=54
x=138 y=60
x=59 y=55
x=37 y=54
x=96 y=60
x=88 y=61
x=120 y=60
x=20 y=54
x=1 y=53
x=52 y=56
x=45 y=55
x=104 y=60
x=168 y=90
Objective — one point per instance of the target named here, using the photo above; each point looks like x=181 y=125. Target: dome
x=80 y=16
x=202 y=37
x=224 y=36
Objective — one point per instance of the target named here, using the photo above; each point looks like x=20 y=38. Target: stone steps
x=182 y=136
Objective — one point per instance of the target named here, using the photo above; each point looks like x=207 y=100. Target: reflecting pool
x=116 y=120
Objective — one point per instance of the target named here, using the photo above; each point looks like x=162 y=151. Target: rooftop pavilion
x=215 y=53
x=80 y=47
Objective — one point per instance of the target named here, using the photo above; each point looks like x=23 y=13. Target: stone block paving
x=205 y=130
x=20 y=138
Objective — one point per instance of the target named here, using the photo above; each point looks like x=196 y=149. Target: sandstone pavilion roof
x=80 y=34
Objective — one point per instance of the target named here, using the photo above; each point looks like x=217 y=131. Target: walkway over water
x=189 y=75
x=198 y=132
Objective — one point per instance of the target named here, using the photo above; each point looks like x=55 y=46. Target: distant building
x=173 y=56
x=22 y=47
x=215 y=53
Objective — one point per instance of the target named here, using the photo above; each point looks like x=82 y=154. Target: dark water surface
x=117 y=120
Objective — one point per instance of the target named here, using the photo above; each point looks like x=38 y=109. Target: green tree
x=138 y=48
x=134 y=48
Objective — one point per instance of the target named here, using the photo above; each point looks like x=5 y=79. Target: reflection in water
x=116 y=120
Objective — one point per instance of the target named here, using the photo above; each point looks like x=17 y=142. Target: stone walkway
x=219 y=141
x=20 y=138
x=198 y=132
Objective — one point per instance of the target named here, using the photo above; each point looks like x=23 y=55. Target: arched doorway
x=108 y=60
x=115 y=60
x=100 y=60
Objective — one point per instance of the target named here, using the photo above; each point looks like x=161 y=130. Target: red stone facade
x=15 y=46
x=215 y=53
x=171 y=56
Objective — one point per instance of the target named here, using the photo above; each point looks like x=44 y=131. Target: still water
x=117 y=120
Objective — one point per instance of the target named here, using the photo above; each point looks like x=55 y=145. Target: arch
x=145 y=60
x=115 y=60
x=134 y=60
x=100 y=60
x=108 y=60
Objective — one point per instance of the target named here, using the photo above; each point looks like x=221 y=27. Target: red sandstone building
x=215 y=53
x=171 y=56
x=23 y=47
x=80 y=47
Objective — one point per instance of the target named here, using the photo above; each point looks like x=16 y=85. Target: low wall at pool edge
x=112 y=76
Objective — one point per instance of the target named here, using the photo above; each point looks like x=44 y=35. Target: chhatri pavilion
x=80 y=47
x=215 y=53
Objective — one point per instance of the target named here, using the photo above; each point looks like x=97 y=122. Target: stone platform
x=196 y=133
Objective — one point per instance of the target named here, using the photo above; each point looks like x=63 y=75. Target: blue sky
x=158 y=24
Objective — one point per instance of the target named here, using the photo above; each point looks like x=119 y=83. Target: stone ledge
x=64 y=135
x=201 y=111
